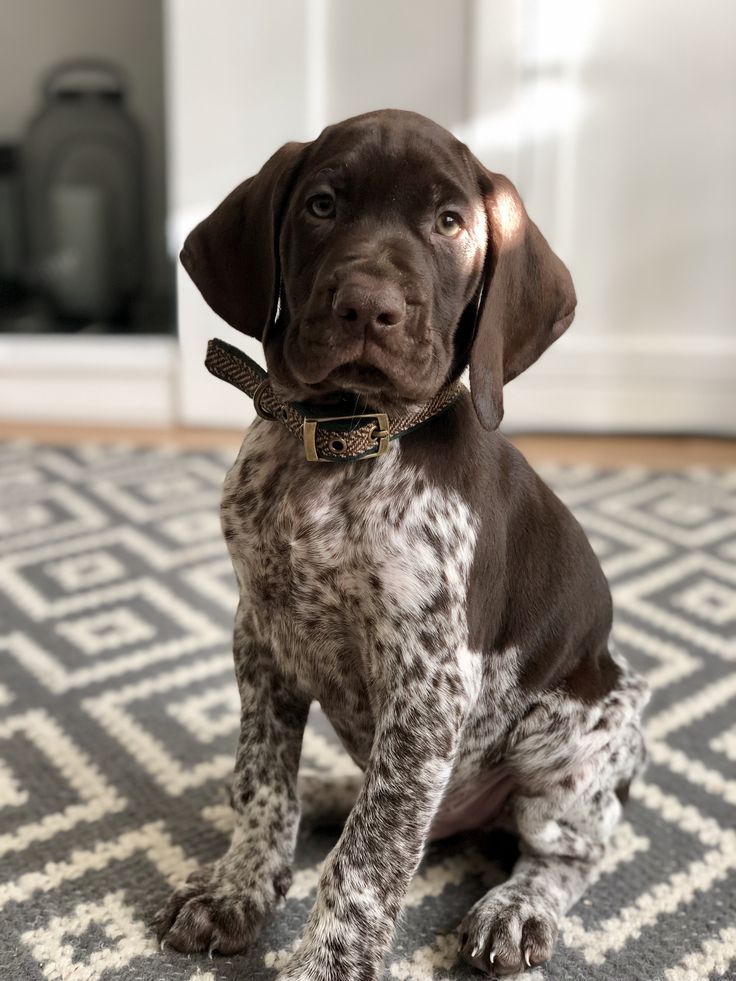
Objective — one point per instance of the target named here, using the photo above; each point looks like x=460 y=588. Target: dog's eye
x=322 y=206
x=449 y=224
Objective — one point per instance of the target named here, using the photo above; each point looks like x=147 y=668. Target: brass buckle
x=309 y=433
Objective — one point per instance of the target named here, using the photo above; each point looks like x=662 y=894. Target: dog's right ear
x=528 y=298
x=232 y=255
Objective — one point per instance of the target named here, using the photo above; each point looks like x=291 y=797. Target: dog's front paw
x=506 y=933
x=215 y=912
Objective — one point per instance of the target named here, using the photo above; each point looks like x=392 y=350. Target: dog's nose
x=369 y=303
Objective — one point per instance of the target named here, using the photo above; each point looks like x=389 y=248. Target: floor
x=119 y=712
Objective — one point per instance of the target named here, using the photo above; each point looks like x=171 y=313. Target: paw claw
x=509 y=933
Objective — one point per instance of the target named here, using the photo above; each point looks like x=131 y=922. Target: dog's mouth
x=359 y=377
x=357 y=384
x=360 y=369
x=351 y=388
x=363 y=383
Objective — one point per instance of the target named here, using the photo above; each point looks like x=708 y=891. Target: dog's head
x=377 y=261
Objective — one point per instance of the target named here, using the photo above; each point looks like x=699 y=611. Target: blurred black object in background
x=11 y=235
x=83 y=200
x=83 y=169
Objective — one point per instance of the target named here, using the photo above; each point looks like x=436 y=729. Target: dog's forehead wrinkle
x=333 y=174
x=445 y=190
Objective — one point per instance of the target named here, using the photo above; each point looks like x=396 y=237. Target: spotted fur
x=355 y=582
x=441 y=604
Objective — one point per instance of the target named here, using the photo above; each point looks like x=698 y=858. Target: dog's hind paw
x=506 y=935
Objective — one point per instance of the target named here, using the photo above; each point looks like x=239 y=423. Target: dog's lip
x=378 y=393
x=343 y=382
x=360 y=373
x=363 y=376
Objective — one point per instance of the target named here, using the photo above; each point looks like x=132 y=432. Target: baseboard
x=83 y=378
x=628 y=385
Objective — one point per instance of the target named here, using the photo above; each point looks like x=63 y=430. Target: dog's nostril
x=390 y=318
x=342 y=306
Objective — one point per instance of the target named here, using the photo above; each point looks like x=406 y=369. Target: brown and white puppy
x=440 y=602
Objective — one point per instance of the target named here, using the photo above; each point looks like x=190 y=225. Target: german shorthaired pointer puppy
x=432 y=594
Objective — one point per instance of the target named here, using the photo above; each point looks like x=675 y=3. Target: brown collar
x=326 y=439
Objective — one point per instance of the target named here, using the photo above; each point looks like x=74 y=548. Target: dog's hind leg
x=222 y=906
x=564 y=819
x=514 y=926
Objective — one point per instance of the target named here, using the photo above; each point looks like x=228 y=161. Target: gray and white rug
x=118 y=715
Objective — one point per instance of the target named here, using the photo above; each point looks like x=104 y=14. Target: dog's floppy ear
x=232 y=255
x=527 y=300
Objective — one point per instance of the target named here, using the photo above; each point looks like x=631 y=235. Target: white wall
x=627 y=163
x=397 y=54
x=37 y=34
x=238 y=87
x=614 y=120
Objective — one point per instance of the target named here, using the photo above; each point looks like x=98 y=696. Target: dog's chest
x=341 y=562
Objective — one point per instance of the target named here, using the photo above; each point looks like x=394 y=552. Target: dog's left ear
x=527 y=301
x=232 y=255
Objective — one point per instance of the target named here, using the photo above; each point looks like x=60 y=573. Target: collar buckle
x=380 y=433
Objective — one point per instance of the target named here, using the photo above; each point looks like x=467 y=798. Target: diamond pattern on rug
x=119 y=714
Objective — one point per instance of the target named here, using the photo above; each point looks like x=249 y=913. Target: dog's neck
x=331 y=437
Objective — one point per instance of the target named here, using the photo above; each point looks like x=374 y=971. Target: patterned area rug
x=118 y=714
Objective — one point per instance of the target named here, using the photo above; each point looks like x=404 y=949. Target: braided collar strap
x=326 y=439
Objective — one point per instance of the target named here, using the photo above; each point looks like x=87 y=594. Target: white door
x=590 y=106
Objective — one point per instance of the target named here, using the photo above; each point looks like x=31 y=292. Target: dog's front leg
x=223 y=905
x=366 y=875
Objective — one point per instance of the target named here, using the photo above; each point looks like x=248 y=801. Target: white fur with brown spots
x=353 y=586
